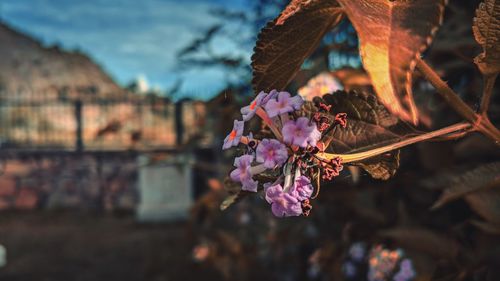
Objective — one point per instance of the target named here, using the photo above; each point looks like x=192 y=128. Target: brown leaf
x=460 y=185
x=392 y=35
x=423 y=240
x=293 y=7
x=369 y=125
x=235 y=193
x=382 y=167
x=486 y=30
x=284 y=44
x=231 y=186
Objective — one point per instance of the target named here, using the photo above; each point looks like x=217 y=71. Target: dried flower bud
x=315 y=150
x=306 y=207
x=324 y=107
x=332 y=169
x=317 y=116
x=322 y=122
x=341 y=119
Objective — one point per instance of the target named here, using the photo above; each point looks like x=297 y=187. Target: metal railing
x=140 y=124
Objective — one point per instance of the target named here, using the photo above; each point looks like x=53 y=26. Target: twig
x=355 y=157
x=479 y=122
x=489 y=82
x=453 y=136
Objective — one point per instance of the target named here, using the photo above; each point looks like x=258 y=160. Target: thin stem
x=318 y=184
x=254 y=170
x=453 y=136
x=288 y=176
x=355 y=157
x=446 y=92
x=489 y=82
x=480 y=122
x=284 y=118
x=263 y=115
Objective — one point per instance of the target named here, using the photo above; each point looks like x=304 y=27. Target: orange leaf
x=392 y=35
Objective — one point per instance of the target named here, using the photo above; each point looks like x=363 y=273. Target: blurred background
x=112 y=116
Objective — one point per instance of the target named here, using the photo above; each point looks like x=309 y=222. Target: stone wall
x=86 y=181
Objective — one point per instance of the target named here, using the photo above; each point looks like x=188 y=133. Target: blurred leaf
x=231 y=186
x=392 y=34
x=460 y=185
x=232 y=199
x=369 y=125
x=235 y=193
x=423 y=240
x=284 y=44
x=486 y=202
x=355 y=173
x=454 y=34
x=486 y=226
x=352 y=78
x=486 y=30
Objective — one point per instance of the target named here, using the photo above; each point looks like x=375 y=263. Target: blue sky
x=129 y=38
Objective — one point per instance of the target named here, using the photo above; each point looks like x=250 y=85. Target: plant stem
x=355 y=157
x=453 y=136
x=489 y=82
x=479 y=122
x=263 y=115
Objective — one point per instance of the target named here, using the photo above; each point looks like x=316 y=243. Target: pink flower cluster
x=382 y=264
x=292 y=151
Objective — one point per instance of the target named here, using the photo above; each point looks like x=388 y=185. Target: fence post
x=79 y=125
x=179 y=125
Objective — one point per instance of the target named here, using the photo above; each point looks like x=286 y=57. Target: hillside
x=30 y=71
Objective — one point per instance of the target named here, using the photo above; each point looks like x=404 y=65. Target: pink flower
x=272 y=153
x=302 y=188
x=243 y=173
x=249 y=111
x=233 y=139
x=319 y=85
x=300 y=132
x=282 y=204
x=284 y=104
x=406 y=271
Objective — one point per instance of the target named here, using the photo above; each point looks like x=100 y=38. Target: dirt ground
x=79 y=247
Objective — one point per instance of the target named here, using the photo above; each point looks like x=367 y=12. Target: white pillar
x=165 y=189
